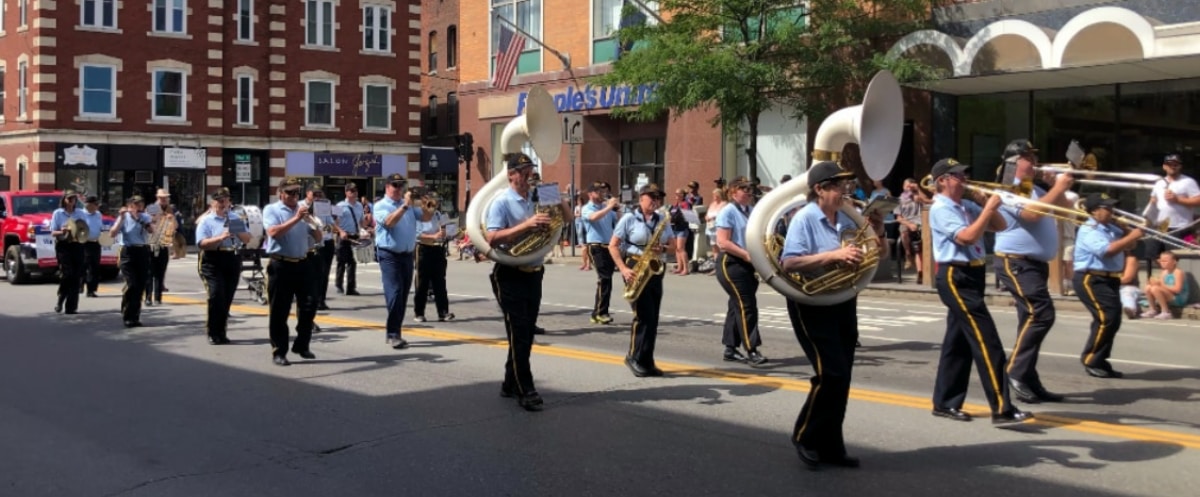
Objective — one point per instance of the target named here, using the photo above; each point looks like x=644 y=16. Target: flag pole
x=562 y=57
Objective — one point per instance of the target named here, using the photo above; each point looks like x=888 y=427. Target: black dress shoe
x=214 y=341
x=132 y=324
x=734 y=355
x=307 y=354
x=1011 y=417
x=353 y=293
x=1023 y=392
x=72 y=311
x=951 y=413
x=1046 y=395
x=530 y=402
x=653 y=370
x=1102 y=373
x=538 y=330
x=843 y=460
x=225 y=341
x=92 y=295
x=398 y=343
x=809 y=457
x=755 y=359
x=506 y=391
x=450 y=317
x=58 y=308
x=637 y=369
x=322 y=307
x=419 y=318
x=148 y=303
x=341 y=292
x=280 y=361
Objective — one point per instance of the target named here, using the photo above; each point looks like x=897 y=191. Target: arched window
x=21 y=170
x=452 y=46
x=433 y=116
x=433 y=50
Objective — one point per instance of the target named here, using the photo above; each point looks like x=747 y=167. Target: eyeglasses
x=291 y=193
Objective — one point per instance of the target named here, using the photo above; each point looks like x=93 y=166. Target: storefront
x=439 y=172
x=254 y=185
x=111 y=172
x=184 y=176
x=333 y=170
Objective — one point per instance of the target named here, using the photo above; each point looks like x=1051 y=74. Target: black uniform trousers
x=158 y=271
x=326 y=252
x=289 y=281
x=219 y=270
x=519 y=292
x=431 y=274
x=644 y=329
x=603 y=262
x=970 y=335
x=91 y=265
x=1101 y=296
x=1026 y=280
x=70 y=265
x=828 y=335
x=346 y=264
x=739 y=281
x=135 y=269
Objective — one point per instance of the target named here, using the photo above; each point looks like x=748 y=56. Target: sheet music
x=322 y=208
x=548 y=194
x=236 y=225
x=451 y=230
x=336 y=210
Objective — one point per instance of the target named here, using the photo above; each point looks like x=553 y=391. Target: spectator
x=693 y=197
x=1168 y=290
x=581 y=231
x=681 y=230
x=908 y=214
x=1130 y=293
x=710 y=220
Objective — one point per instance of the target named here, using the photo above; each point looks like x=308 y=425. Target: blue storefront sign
x=591 y=97
x=347 y=164
x=439 y=160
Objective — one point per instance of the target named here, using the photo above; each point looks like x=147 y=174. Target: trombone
x=1137 y=181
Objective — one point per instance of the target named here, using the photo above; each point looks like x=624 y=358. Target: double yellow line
x=894 y=399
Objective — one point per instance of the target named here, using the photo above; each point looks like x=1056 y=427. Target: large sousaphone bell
x=877 y=126
x=539 y=126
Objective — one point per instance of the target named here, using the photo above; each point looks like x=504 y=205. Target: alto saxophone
x=648 y=264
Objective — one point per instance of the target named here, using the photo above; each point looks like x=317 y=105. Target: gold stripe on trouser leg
x=741 y=305
x=1028 y=320
x=1087 y=279
x=512 y=351
x=633 y=331
x=817 y=388
x=978 y=336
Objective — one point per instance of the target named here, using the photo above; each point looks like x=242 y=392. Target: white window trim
x=237 y=119
x=22 y=90
x=389 y=35
x=99 y=26
x=182 y=31
x=110 y=115
x=331 y=44
x=3 y=88
x=536 y=46
x=238 y=21
x=333 y=84
x=22 y=15
x=183 y=96
x=367 y=128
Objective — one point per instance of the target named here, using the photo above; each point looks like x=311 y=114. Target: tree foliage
x=742 y=57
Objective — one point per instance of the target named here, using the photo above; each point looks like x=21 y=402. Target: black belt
x=288 y=259
x=137 y=246
x=1104 y=274
x=597 y=245
x=222 y=249
x=974 y=263
x=429 y=244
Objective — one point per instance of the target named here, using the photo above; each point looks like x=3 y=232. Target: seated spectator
x=1167 y=290
x=1131 y=293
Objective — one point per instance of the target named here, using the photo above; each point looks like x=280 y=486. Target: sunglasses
x=291 y=193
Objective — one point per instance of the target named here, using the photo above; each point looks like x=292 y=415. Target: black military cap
x=826 y=171
x=221 y=194
x=291 y=183
x=652 y=190
x=1018 y=147
x=1097 y=200
x=396 y=179
x=947 y=166
x=517 y=161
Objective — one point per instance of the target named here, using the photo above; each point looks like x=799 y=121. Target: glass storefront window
x=1158 y=118
x=115 y=196
x=641 y=162
x=1087 y=115
x=85 y=182
x=986 y=123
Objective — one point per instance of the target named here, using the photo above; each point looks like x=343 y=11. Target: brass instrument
x=648 y=264
x=163 y=231
x=76 y=231
x=841 y=276
x=540 y=237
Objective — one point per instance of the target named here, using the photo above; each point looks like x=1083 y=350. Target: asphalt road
x=90 y=408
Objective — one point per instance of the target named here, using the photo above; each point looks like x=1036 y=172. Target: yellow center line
x=1114 y=430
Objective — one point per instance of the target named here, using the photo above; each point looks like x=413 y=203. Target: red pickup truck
x=28 y=246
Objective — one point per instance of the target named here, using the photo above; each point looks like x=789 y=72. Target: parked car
x=28 y=246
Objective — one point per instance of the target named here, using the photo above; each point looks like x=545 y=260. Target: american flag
x=509 y=51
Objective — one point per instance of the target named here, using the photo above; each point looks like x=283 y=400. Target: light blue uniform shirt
x=633 y=231
x=60 y=218
x=293 y=243
x=210 y=225
x=133 y=232
x=946 y=219
x=1037 y=240
x=351 y=218
x=431 y=226
x=95 y=222
x=600 y=231
x=733 y=218
x=508 y=210
x=402 y=236
x=810 y=233
x=1091 y=243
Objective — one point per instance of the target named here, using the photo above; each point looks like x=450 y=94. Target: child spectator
x=1131 y=293
x=1168 y=290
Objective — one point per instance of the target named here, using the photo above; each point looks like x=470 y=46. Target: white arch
x=937 y=39
x=1139 y=26
x=1035 y=35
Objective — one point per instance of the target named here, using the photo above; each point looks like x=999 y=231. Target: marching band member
x=518 y=289
x=325 y=250
x=1023 y=252
x=600 y=216
x=628 y=241
x=431 y=262
x=91 y=250
x=135 y=229
x=219 y=266
x=349 y=222
x=736 y=275
x=827 y=333
x=957 y=226
x=68 y=252
x=1100 y=249
x=395 y=239
x=159 y=255
x=1174 y=198
x=289 y=273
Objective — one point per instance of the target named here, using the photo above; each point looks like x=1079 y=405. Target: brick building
x=439 y=96
x=116 y=98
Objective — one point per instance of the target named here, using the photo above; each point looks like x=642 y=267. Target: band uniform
x=627 y=243
x=349 y=224
x=431 y=265
x=1100 y=247
x=395 y=241
x=323 y=258
x=67 y=251
x=600 y=216
x=737 y=277
x=289 y=238
x=218 y=262
x=160 y=253
x=91 y=249
x=135 y=229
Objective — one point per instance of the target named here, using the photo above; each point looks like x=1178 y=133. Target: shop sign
x=242 y=173
x=79 y=156
x=347 y=165
x=591 y=97
x=185 y=158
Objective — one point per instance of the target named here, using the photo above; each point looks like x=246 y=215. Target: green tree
x=742 y=57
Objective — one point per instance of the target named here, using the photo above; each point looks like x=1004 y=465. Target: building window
x=22 y=88
x=98 y=90
x=433 y=51
x=99 y=14
x=245 y=99
x=170 y=16
x=170 y=95
x=452 y=113
x=606 y=20
x=452 y=47
x=3 y=82
x=245 y=20
x=433 y=116
x=377 y=28
x=319 y=95
x=377 y=103
x=22 y=13
x=527 y=15
x=21 y=169
x=319 y=23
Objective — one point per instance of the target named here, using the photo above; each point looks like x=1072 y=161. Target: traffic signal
x=466 y=147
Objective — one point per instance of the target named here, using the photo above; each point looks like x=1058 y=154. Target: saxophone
x=648 y=264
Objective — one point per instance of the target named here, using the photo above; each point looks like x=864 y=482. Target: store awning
x=439 y=160
x=1121 y=72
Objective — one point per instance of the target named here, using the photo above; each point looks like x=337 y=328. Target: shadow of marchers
x=1068 y=418
x=709 y=395
x=1174 y=374
x=1024 y=454
x=383 y=360
x=1126 y=396
x=908 y=346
